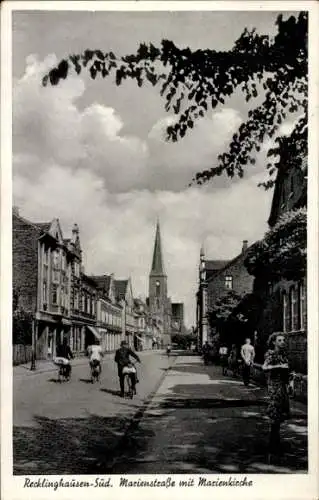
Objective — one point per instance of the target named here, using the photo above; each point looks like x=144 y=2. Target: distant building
x=178 y=325
x=109 y=313
x=124 y=296
x=216 y=278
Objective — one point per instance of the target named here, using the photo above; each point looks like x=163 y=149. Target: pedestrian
x=223 y=351
x=248 y=356
x=277 y=368
x=122 y=358
x=233 y=360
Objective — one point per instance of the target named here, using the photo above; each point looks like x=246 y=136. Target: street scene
x=159 y=242
x=185 y=418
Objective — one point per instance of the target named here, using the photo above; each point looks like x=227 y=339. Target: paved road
x=69 y=428
x=187 y=419
x=202 y=422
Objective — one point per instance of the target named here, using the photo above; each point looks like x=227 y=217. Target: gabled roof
x=120 y=289
x=157 y=262
x=276 y=199
x=228 y=263
x=215 y=265
x=103 y=282
x=43 y=226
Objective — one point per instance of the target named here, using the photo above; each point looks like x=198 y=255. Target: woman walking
x=276 y=366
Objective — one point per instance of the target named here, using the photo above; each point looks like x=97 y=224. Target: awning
x=94 y=331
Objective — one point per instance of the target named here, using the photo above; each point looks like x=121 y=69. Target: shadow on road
x=66 y=446
x=111 y=391
x=181 y=433
x=86 y=380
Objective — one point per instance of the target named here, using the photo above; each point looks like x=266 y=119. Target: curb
x=134 y=422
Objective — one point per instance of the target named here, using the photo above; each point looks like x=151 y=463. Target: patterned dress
x=278 y=409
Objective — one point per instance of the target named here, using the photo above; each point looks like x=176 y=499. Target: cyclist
x=168 y=350
x=122 y=358
x=95 y=354
x=64 y=352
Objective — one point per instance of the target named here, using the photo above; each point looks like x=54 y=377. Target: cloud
x=78 y=165
x=49 y=123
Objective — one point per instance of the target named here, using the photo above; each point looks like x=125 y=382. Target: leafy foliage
x=22 y=327
x=224 y=307
x=283 y=251
x=194 y=82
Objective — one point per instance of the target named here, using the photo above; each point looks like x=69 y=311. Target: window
x=46 y=256
x=285 y=311
x=63 y=260
x=62 y=297
x=45 y=293
x=229 y=282
x=76 y=300
x=158 y=288
x=294 y=309
x=77 y=269
x=302 y=306
x=54 y=294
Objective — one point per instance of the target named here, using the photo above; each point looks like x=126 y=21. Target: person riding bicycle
x=168 y=349
x=95 y=354
x=122 y=358
x=64 y=351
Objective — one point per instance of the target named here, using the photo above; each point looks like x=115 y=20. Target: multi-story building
x=42 y=278
x=49 y=283
x=216 y=278
x=145 y=329
x=285 y=301
x=124 y=296
x=109 y=313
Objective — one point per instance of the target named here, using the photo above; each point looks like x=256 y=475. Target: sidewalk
x=44 y=366
x=202 y=422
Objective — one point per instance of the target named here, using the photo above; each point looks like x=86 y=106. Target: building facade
x=109 y=313
x=216 y=278
x=285 y=301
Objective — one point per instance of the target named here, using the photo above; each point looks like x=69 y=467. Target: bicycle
x=64 y=373
x=129 y=372
x=95 y=371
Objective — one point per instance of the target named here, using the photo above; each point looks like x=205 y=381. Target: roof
x=157 y=262
x=214 y=265
x=44 y=226
x=120 y=289
x=228 y=263
x=276 y=199
x=102 y=282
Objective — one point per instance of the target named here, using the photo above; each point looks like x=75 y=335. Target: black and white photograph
x=160 y=288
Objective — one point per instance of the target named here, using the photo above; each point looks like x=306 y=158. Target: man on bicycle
x=95 y=354
x=122 y=358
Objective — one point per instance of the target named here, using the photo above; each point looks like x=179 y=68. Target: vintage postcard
x=159 y=253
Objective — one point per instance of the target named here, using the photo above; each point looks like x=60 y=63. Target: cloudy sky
x=93 y=153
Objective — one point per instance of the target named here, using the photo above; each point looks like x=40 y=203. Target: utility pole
x=34 y=347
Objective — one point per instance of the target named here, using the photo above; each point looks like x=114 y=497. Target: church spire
x=157 y=263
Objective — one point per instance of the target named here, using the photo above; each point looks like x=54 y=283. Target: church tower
x=159 y=304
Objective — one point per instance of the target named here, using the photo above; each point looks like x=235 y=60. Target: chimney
x=245 y=246
x=15 y=210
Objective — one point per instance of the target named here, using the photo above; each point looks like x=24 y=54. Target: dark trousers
x=246 y=374
x=121 y=379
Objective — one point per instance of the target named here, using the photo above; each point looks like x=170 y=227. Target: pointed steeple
x=157 y=262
